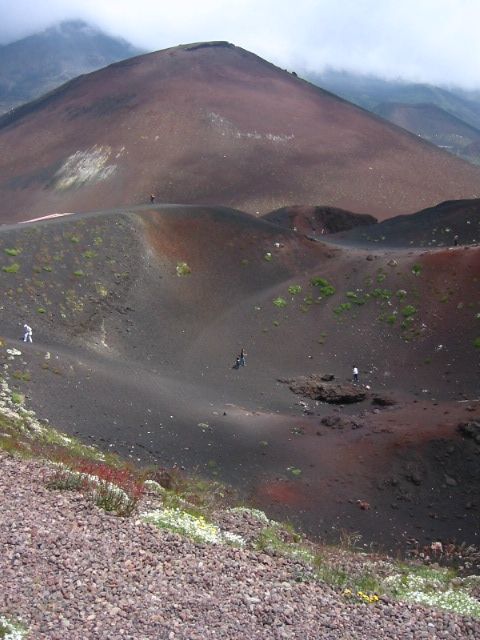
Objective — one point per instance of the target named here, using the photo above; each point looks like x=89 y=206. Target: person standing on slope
x=242 y=357
x=27 y=333
x=355 y=374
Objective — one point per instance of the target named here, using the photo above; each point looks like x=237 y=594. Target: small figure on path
x=242 y=357
x=237 y=363
x=27 y=333
x=152 y=198
x=455 y=241
x=355 y=374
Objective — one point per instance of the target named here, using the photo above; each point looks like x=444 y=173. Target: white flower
x=255 y=513
x=10 y=630
x=194 y=527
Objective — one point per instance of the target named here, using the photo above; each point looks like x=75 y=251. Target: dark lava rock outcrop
x=315 y=387
x=471 y=429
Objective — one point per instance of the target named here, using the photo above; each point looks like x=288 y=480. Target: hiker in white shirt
x=27 y=333
x=355 y=374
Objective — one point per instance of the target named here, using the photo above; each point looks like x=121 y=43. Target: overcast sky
x=421 y=40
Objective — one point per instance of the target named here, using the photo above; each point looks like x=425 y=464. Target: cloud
x=423 y=40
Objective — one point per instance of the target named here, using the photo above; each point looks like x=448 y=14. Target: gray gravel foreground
x=71 y=571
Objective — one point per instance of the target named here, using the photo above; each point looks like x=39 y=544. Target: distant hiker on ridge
x=355 y=374
x=27 y=333
x=152 y=198
x=237 y=363
x=455 y=241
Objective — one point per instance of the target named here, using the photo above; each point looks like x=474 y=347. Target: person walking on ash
x=242 y=357
x=27 y=333
x=355 y=374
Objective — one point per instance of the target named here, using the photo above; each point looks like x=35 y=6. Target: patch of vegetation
x=408 y=311
x=74 y=238
x=401 y=294
x=268 y=256
x=10 y=630
x=345 y=306
x=476 y=343
x=47 y=268
x=416 y=269
x=381 y=294
x=79 y=273
x=183 y=269
x=89 y=254
x=11 y=268
x=13 y=251
x=97 y=240
x=22 y=375
x=280 y=302
x=325 y=288
x=294 y=471
x=41 y=310
x=294 y=289
x=391 y=319
x=18 y=398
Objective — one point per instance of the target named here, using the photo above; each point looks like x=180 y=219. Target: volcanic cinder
x=138 y=315
x=213 y=124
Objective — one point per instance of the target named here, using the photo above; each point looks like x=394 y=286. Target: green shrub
x=416 y=269
x=183 y=269
x=79 y=273
x=280 y=302
x=293 y=289
x=382 y=294
x=408 y=311
x=345 y=306
x=12 y=268
x=476 y=343
x=12 y=252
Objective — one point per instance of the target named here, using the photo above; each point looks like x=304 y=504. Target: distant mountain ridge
x=41 y=62
x=435 y=125
x=448 y=118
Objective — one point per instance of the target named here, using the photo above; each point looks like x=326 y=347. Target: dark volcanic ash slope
x=433 y=227
x=213 y=124
x=317 y=221
x=137 y=318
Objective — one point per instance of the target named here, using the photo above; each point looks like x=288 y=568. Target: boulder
x=315 y=387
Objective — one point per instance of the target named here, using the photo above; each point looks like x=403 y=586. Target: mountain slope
x=435 y=125
x=37 y=64
x=213 y=124
x=369 y=91
x=138 y=316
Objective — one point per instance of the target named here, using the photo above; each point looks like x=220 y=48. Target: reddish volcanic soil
x=213 y=124
x=141 y=348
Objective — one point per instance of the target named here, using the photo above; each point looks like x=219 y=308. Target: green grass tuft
x=11 y=268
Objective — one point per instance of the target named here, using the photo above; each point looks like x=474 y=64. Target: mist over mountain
x=446 y=117
x=37 y=64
